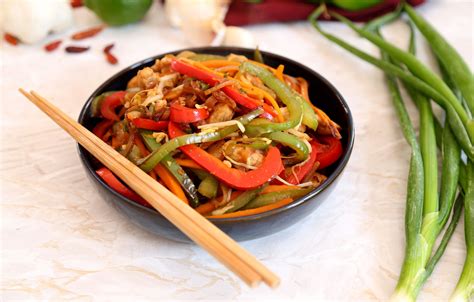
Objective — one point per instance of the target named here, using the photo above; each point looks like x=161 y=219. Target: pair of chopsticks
x=191 y=223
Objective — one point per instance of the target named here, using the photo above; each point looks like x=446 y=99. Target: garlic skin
x=32 y=20
x=237 y=36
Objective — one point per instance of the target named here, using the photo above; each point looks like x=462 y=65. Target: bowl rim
x=297 y=202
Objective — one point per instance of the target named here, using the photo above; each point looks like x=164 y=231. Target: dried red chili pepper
x=109 y=56
x=87 y=33
x=76 y=49
x=52 y=46
x=108 y=48
x=10 y=39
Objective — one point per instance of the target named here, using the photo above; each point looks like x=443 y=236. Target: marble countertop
x=60 y=241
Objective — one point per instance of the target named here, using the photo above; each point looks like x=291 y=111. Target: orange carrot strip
x=168 y=179
x=276 y=188
x=279 y=72
x=138 y=141
x=189 y=163
x=170 y=182
x=219 y=63
x=211 y=205
x=259 y=210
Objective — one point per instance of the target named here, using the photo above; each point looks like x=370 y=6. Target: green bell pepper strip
x=257 y=56
x=239 y=202
x=134 y=154
x=201 y=174
x=209 y=186
x=291 y=141
x=205 y=57
x=97 y=103
x=149 y=162
x=297 y=106
x=119 y=12
x=175 y=169
x=259 y=145
x=272 y=197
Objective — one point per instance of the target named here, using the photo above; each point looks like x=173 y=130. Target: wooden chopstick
x=182 y=216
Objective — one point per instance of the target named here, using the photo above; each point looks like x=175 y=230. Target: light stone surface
x=60 y=241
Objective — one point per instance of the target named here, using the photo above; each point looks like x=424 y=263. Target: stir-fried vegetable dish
x=228 y=135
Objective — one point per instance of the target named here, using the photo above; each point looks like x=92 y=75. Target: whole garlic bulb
x=32 y=20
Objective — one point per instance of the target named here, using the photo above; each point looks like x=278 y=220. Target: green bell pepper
x=291 y=141
x=239 y=202
x=299 y=110
x=173 y=167
x=119 y=12
x=149 y=162
x=272 y=197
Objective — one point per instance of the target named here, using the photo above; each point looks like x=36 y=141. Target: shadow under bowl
x=239 y=228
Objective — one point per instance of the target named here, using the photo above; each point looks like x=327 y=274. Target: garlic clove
x=237 y=36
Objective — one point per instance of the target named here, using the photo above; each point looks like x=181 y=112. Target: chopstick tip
x=274 y=283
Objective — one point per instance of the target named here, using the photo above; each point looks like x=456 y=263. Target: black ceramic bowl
x=240 y=228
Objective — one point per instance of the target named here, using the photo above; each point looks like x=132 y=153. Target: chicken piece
x=163 y=65
x=216 y=149
x=244 y=154
x=220 y=113
x=145 y=79
x=318 y=179
x=221 y=107
x=326 y=126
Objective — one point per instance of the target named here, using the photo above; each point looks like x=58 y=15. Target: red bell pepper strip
x=181 y=114
x=234 y=178
x=110 y=103
x=101 y=128
x=328 y=152
x=301 y=171
x=214 y=79
x=109 y=178
x=147 y=124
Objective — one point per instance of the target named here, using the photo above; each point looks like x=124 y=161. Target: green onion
x=464 y=290
x=451 y=61
x=455 y=122
x=417 y=68
x=384 y=19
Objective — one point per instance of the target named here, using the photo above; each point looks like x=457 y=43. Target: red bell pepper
x=301 y=171
x=214 y=79
x=329 y=151
x=111 y=102
x=109 y=178
x=181 y=114
x=234 y=178
x=101 y=128
x=147 y=124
